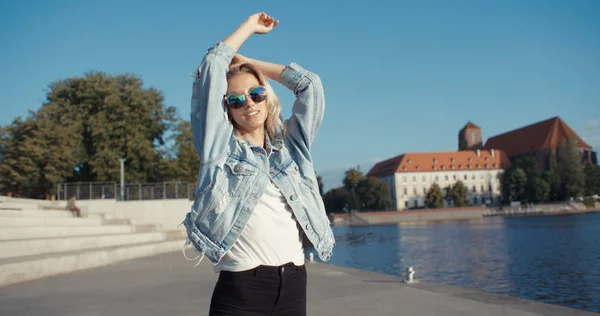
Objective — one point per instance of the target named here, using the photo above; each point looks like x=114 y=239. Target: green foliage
x=358 y=193
x=589 y=203
x=540 y=190
x=459 y=194
x=336 y=200
x=374 y=194
x=570 y=174
x=592 y=180
x=435 y=197
x=84 y=127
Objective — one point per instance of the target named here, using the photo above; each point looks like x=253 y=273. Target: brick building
x=409 y=176
x=537 y=140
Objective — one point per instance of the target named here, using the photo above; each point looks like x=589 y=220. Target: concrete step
x=175 y=234
x=34 y=213
x=18 y=206
x=29 y=247
x=10 y=233
x=20 y=269
x=44 y=222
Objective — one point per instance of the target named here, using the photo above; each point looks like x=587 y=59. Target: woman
x=257 y=202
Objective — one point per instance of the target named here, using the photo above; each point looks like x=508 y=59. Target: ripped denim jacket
x=234 y=173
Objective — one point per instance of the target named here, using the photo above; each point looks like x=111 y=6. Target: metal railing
x=129 y=192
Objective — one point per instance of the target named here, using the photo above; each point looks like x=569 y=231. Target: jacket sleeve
x=210 y=126
x=308 y=109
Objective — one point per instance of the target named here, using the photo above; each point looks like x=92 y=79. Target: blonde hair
x=274 y=122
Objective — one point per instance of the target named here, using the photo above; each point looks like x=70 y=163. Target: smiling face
x=251 y=116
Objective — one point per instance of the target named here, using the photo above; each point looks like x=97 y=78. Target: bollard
x=311 y=257
x=410 y=272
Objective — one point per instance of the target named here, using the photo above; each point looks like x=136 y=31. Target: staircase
x=38 y=241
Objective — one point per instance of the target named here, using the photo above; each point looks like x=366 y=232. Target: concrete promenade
x=166 y=284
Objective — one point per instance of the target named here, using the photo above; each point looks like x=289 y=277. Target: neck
x=257 y=137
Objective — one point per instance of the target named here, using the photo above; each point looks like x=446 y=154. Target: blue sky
x=399 y=76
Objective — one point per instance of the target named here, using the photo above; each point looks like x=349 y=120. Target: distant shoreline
x=391 y=217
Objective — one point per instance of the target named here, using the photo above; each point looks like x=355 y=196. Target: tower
x=469 y=137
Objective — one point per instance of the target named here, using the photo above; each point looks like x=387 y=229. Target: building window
x=478 y=166
x=404 y=178
x=466 y=177
x=473 y=177
x=454 y=177
x=482 y=188
x=474 y=189
x=475 y=201
x=452 y=167
x=481 y=176
x=416 y=203
x=452 y=160
x=405 y=191
x=460 y=166
x=470 y=167
x=415 y=191
x=470 y=159
x=414 y=179
x=405 y=168
x=443 y=167
x=405 y=203
x=409 y=161
x=495 y=165
x=437 y=178
x=434 y=160
x=424 y=178
x=418 y=168
x=487 y=166
x=434 y=168
x=491 y=188
x=446 y=177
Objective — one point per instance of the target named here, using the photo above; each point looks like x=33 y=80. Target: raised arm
x=210 y=125
x=309 y=107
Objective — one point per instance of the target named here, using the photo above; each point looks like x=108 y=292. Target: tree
x=185 y=163
x=517 y=185
x=541 y=190
x=113 y=117
x=592 y=180
x=570 y=170
x=336 y=200
x=17 y=171
x=459 y=194
x=353 y=177
x=435 y=197
x=373 y=194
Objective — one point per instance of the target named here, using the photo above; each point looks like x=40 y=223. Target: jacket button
x=237 y=168
x=296 y=168
x=293 y=197
x=307 y=226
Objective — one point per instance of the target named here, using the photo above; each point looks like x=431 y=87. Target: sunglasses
x=238 y=100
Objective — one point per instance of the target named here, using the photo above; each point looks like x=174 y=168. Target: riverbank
x=387 y=217
x=474 y=212
x=167 y=284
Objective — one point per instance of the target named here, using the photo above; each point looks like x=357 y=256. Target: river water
x=550 y=259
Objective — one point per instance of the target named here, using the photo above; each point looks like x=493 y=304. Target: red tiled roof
x=440 y=161
x=535 y=137
x=470 y=125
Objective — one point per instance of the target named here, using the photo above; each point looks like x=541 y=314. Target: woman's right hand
x=261 y=23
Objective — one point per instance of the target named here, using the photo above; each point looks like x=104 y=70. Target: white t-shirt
x=271 y=236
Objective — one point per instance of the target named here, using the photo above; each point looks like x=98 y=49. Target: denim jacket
x=234 y=173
